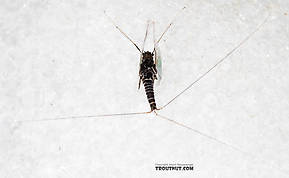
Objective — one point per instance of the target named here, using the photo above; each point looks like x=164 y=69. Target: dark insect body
x=149 y=63
x=148 y=73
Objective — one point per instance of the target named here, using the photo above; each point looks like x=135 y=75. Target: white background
x=65 y=58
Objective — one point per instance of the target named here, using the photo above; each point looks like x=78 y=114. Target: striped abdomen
x=149 y=89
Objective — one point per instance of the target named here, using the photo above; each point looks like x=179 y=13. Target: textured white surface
x=64 y=58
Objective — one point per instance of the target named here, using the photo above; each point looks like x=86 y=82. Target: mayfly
x=149 y=71
x=150 y=66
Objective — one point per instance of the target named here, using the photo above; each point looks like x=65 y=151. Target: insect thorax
x=147 y=65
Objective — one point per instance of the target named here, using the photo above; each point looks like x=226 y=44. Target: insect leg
x=139 y=82
x=116 y=26
x=170 y=24
x=146 y=34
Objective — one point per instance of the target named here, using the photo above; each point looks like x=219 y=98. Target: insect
x=150 y=69
x=148 y=73
x=150 y=63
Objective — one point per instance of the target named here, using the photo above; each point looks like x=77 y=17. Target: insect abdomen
x=149 y=89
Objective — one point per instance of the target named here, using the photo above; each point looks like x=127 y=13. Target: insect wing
x=158 y=63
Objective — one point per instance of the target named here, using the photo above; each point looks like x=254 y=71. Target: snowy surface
x=65 y=58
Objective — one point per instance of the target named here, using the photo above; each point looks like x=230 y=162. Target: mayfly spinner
x=149 y=71
x=150 y=63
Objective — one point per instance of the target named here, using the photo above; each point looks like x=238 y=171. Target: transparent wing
x=158 y=58
x=158 y=61
x=143 y=45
